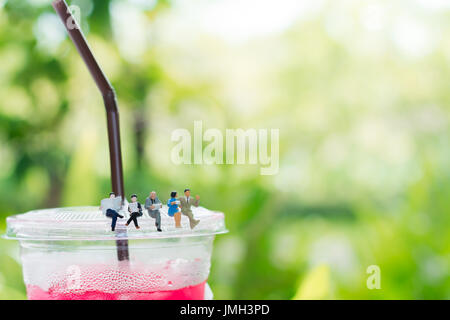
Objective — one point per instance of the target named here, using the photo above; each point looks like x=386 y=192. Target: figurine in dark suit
x=135 y=210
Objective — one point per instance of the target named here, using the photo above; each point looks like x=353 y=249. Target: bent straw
x=109 y=99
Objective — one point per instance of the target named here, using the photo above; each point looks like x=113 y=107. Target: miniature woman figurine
x=174 y=210
x=135 y=210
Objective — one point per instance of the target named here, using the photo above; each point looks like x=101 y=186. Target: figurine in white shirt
x=111 y=207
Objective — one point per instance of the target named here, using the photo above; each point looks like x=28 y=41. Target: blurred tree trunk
x=141 y=124
x=53 y=199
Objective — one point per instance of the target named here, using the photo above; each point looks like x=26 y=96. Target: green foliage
x=316 y=285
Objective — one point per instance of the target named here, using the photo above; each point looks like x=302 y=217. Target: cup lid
x=89 y=223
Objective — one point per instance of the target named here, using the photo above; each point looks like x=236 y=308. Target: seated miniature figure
x=135 y=210
x=186 y=203
x=111 y=207
x=153 y=204
x=174 y=211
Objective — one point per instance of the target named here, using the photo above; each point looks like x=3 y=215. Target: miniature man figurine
x=186 y=203
x=111 y=207
x=135 y=210
x=152 y=204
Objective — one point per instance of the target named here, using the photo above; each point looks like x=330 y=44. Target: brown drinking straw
x=109 y=99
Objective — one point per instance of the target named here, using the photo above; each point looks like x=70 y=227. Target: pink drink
x=121 y=282
x=71 y=254
x=196 y=292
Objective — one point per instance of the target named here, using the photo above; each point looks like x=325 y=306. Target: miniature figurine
x=186 y=203
x=153 y=204
x=111 y=207
x=173 y=203
x=135 y=210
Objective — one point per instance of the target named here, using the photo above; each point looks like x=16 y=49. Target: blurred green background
x=359 y=91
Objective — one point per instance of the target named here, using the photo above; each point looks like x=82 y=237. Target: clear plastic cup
x=71 y=253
